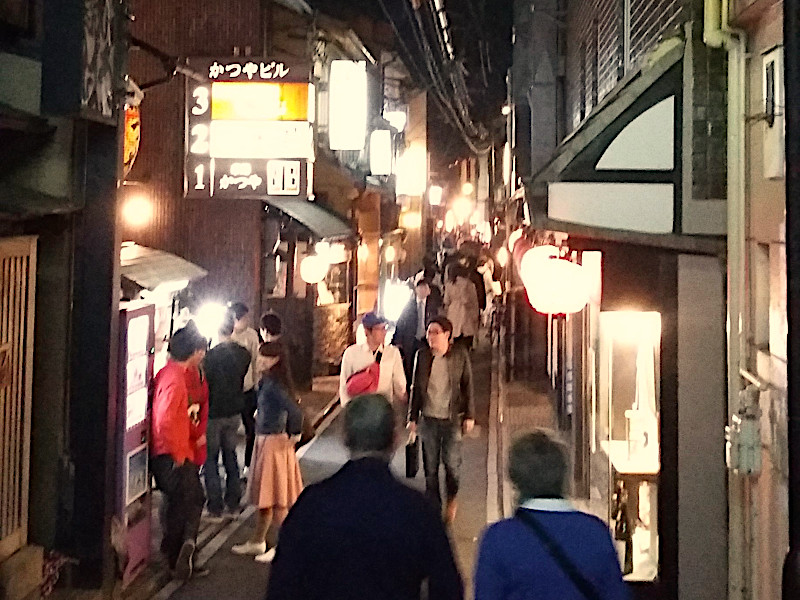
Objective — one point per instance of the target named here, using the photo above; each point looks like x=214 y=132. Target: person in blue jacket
x=548 y=550
x=275 y=481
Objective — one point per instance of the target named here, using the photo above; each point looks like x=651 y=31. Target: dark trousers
x=465 y=341
x=184 y=496
x=249 y=422
x=408 y=360
x=222 y=436
x=441 y=444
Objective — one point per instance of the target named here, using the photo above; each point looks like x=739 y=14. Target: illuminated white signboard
x=248 y=130
x=347 y=105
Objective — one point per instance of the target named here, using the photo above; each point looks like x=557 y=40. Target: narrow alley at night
x=400 y=299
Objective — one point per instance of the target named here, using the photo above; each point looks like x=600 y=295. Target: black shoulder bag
x=584 y=585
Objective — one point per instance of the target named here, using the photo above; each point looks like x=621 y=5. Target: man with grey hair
x=548 y=549
x=361 y=533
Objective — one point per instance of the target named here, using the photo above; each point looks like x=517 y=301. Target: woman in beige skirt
x=274 y=483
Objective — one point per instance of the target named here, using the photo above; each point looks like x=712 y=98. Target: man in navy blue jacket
x=361 y=533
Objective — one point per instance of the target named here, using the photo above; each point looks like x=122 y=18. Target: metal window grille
x=17 y=293
x=582 y=108
x=649 y=19
x=607 y=39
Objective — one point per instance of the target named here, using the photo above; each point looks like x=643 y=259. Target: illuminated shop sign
x=249 y=130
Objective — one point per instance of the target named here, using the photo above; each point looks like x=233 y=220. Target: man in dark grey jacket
x=225 y=366
x=442 y=394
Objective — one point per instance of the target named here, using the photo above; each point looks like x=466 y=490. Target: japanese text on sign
x=235 y=70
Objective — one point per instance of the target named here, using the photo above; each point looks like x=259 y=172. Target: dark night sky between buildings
x=472 y=23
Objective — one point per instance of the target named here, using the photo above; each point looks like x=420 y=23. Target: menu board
x=136 y=371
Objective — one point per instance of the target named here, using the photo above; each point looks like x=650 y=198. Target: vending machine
x=133 y=505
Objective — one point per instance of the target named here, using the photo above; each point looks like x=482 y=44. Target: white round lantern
x=502 y=256
x=313 y=268
x=513 y=238
x=554 y=285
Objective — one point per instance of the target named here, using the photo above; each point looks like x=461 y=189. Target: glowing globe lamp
x=313 y=268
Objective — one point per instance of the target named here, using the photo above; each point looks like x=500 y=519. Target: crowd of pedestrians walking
x=362 y=533
x=200 y=399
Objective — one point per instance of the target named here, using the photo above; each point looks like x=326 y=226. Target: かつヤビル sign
x=249 y=129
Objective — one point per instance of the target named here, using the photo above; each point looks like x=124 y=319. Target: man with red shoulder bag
x=373 y=367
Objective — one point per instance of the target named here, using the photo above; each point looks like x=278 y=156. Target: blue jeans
x=441 y=443
x=222 y=435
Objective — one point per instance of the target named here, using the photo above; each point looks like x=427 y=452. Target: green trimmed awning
x=318 y=220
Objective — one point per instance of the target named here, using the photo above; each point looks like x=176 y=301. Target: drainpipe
x=717 y=34
x=791 y=40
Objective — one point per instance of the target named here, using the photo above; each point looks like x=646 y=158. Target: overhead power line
x=440 y=68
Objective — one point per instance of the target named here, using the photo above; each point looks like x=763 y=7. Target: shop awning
x=619 y=175
x=319 y=221
x=149 y=268
x=577 y=157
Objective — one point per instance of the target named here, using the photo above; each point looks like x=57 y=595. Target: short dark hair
x=442 y=322
x=227 y=325
x=369 y=424
x=239 y=310
x=271 y=323
x=185 y=342
x=423 y=281
x=537 y=465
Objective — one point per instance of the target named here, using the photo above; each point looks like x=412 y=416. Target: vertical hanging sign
x=249 y=129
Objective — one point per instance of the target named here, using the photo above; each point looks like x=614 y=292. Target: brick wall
x=709 y=119
x=221 y=236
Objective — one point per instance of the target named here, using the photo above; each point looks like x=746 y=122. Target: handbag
x=364 y=381
x=412 y=458
x=584 y=585
x=307 y=429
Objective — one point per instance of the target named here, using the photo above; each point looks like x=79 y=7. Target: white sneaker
x=267 y=556
x=254 y=548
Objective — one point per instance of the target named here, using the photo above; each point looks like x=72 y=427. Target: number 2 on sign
x=200 y=144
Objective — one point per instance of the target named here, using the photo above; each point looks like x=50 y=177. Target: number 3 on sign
x=283 y=178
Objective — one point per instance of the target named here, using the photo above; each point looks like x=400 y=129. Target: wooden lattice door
x=17 y=297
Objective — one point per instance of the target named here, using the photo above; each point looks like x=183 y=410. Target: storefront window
x=625 y=421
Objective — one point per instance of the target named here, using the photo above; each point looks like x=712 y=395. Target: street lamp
x=410 y=220
x=137 y=211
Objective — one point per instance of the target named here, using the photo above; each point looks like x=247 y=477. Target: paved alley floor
x=241 y=578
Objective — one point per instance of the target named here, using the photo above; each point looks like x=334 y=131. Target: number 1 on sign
x=199 y=172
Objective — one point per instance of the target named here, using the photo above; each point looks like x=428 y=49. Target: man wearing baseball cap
x=360 y=358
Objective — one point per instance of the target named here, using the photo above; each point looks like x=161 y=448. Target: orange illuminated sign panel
x=256 y=101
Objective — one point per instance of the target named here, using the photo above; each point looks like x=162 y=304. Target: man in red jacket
x=173 y=451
